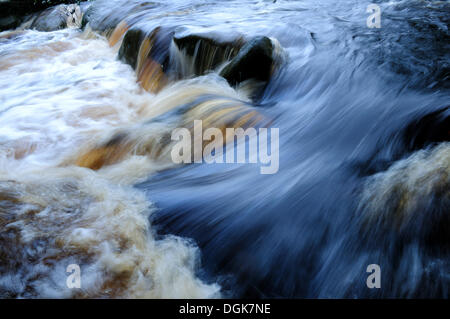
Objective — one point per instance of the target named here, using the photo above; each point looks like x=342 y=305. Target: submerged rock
x=176 y=106
x=99 y=18
x=410 y=200
x=59 y=17
x=103 y=17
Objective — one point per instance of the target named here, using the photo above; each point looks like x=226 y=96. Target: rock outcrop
x=13 y=13
x=59 y=17
x=150 y=54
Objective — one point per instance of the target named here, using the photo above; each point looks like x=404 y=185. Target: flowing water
x=364 y=173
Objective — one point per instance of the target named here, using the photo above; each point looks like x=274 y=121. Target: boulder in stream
x=59 y=17
x=255 y=60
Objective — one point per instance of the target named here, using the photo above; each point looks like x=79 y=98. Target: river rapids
x=86 y=176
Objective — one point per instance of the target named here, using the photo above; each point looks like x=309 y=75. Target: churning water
x=364 y=175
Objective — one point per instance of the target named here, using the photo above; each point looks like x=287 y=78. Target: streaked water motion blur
x=86 y=176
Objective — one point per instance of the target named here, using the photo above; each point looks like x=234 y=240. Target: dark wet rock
x=14 y=12
x=59 y=17
x=147 y=52
x=255 y=60
x=24 y=7
x=159 y=38
x=128 y=52
x=10 y=22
